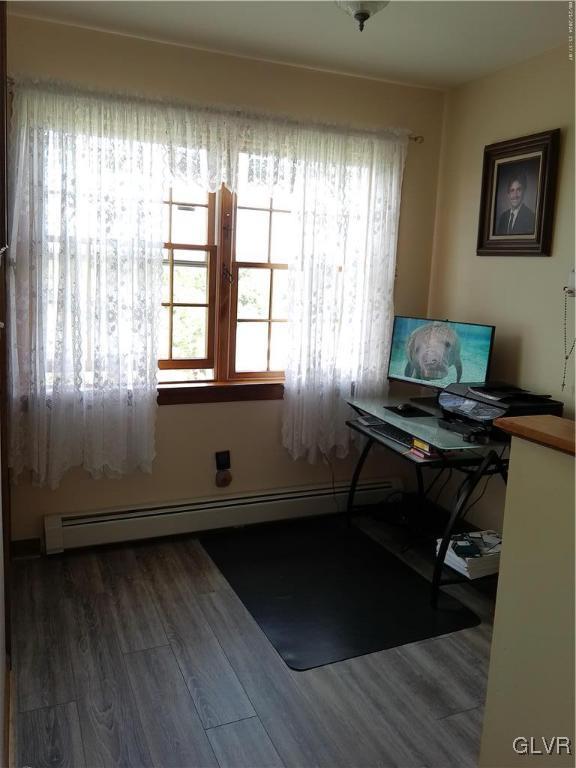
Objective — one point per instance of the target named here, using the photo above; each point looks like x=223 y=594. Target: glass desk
x=473 y=460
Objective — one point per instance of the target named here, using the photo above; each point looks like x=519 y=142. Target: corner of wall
x=436 y=235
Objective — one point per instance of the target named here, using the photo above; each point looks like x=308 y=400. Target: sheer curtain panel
x=84 y=286
x=341 y=288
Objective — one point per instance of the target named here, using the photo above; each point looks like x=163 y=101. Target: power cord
x=434 y=481
x=567 y=352
x=444 y=484
x=469 y=507
x=333 y=482
x=486 y=482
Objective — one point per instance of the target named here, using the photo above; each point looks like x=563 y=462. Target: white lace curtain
x=85 y=272
x=341 y=291
x=87 y=179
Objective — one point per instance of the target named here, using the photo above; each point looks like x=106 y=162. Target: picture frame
x=518 y=195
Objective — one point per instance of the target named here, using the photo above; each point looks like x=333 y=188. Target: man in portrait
x=518 y=219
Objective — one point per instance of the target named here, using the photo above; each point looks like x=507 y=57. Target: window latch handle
x=227 y=275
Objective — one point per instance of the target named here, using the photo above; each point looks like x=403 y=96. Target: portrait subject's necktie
x=511 y=222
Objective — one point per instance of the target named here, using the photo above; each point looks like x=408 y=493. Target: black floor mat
x=323 y=591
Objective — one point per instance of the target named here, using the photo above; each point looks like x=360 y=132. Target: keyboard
x=394 y=433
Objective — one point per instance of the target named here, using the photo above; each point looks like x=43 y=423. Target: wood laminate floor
x=142 y=655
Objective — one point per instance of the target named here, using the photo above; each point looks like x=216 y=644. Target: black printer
x=472 y=408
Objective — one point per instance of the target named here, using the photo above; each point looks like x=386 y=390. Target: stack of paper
x=483 y=562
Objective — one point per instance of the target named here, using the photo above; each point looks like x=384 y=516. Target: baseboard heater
x=109 y=526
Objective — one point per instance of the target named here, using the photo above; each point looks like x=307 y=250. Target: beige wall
x=188 y=435
x=531 y=680
x=521 y=296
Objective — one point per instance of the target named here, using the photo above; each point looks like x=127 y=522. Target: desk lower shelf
x=417 y=525
x=475 y=464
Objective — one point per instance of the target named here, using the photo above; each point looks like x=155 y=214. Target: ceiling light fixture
x=361 y=12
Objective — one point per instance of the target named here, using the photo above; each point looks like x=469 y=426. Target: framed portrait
x=517 y=198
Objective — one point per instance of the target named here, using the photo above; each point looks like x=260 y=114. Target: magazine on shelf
x=474 y=554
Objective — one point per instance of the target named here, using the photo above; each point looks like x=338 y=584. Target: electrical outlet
x=222 y=460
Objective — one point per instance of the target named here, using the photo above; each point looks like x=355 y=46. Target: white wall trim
x=129 y=524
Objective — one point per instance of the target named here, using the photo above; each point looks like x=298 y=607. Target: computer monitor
x=435 y=353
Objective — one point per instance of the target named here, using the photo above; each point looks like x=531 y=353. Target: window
x=86 y=254
x=188 y=326
x=224 y=304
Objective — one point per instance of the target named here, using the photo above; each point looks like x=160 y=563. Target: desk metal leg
x=459 y=508
x=355 y=478
x=421 y=492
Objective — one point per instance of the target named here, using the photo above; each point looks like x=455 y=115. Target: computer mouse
x=404 y=407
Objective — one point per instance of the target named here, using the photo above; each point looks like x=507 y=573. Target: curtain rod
x=15 y=80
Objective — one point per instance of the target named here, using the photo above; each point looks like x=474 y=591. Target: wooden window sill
x=211 y=392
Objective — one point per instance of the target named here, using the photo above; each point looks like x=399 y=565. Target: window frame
x=228 y=384
x=234 y=268
x=211 y=249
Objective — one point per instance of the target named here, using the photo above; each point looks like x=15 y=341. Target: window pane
x=163 y=338
x=253 y=196
x=181 y=255
x=166 y=222
x=53 y=214
x=283 y=200
x=189 y=332
x=278 y=346
x=184 y=192
x=189 y=224
x=282 y=242
x=166 y=282
x=185 y=374
x=250 y=194
x=279 y=294
x=252 y=235
x=253 y=293
x=190 y=284
x=251 y=346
